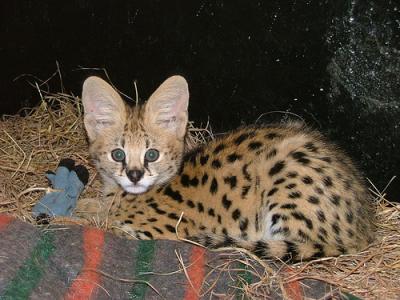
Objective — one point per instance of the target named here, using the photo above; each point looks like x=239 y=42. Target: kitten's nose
x=135 y=175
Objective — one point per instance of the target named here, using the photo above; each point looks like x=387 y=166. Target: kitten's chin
x=136 y=189
x=139 y=188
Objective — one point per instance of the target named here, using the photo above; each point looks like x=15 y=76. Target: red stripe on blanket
x=87 y=281
x=5 y=220
x=292 y=290
x=195 y=273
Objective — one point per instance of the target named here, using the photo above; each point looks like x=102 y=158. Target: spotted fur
x=278 y=191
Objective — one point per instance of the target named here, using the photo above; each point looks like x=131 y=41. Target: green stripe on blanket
x=144 y=261
x=32 y=270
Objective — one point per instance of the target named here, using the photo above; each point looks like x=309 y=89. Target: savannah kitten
x=278 y=191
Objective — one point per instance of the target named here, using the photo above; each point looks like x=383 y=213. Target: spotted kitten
x=278 y=191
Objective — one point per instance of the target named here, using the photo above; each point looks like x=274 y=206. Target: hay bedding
x=33 y=144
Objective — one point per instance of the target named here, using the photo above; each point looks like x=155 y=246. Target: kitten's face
x=136 y=147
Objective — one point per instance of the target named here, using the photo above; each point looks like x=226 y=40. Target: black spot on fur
x=149 y=200
x=226 y=203
x=261 y=249
x=295 y=195
x=231 y=180
x=275 y=218
x=128 y=222
x=319 y=191
x=211 y=212
x=175 y=195
x=170 y=228
x=335 y=199
x=298 y=155
x=124 y=193
x=291 y=186
x=216 y=164
x=219 y=148
x=148 y=234
x=279 y=181
x=319 y=170
x=272 y=191
x=336 y=228
x=291 y=252
x=204 y=179
x=349 y=217
x=328 y=181
x=271 y=207
x=307 y=180
x=320 y=251
x=350 y=233
x=185 y=180
x=244 y=136
x=304 y=236
x=214 y=186
x=200 y=207
x=326 y=159
x=236 y=214
x=245 y=190
x=313 y=200
x=227 y=242
x=190 y=203
x=234 y=157
x=304 y=161
x=300 y=216
x=204 y=159
x=292 y=174
x=245 y=172
x=152 y=220
x=271 y=154
x=156 y=209
x=219 y=219
x=323 y=232
x=243 y=224
x=289 y=206
x=254 y=145
x=158 y=230
x=256 y=223
x=311 y=147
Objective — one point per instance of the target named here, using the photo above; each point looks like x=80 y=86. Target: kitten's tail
x=287 y=251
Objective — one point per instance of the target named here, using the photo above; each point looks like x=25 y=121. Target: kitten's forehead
x=134 y=129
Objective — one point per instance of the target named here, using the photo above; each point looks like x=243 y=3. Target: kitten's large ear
x=103 y=106
x=167 y=107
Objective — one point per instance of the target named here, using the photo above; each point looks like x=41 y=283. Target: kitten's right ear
x=102 y=105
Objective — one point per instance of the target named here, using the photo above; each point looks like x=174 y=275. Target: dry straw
x=32 y=144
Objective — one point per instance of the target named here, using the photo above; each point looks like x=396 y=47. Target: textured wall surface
x=335 y=64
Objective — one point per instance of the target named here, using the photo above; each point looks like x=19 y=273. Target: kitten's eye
x=151 y=155
x=118 y=155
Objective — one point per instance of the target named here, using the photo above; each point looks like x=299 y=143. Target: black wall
x=335 y=64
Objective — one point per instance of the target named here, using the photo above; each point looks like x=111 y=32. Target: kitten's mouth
x=135 y=188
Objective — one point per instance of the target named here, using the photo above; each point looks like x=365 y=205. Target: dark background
x=335 y=64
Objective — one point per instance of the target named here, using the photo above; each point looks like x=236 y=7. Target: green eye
x=118 y=154
x=151 y=155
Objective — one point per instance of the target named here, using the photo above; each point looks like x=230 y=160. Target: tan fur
x=279 y=190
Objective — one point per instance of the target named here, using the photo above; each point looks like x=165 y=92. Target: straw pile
x=35 y=143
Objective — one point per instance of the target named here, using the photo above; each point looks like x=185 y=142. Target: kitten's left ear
x=167 y=107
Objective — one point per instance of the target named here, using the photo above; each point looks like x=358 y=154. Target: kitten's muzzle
x=135 y=175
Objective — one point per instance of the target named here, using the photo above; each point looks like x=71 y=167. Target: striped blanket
x=75 y=262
